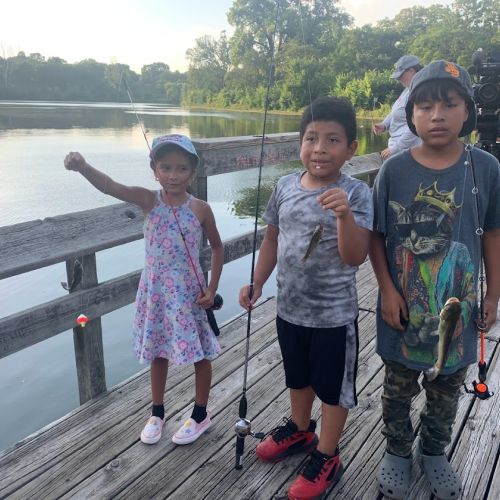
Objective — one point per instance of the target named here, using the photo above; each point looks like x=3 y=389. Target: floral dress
x=168 y=323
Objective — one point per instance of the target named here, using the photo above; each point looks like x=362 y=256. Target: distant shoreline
x=361 y=114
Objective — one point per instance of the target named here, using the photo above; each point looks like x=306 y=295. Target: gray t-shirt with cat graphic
x=429 y=219
x=319 y=291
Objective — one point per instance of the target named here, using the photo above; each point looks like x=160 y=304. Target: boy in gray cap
x=426 y=252
x=400 y=136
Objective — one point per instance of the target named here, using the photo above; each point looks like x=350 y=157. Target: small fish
x=315 y=238
x=448 y=318
x=77 y=277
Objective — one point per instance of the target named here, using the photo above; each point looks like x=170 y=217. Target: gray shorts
x=324 y=358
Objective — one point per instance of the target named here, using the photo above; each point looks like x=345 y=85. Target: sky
x=136 y=32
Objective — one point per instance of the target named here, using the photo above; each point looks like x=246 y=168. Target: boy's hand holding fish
x=353 y=240
x=336 y=200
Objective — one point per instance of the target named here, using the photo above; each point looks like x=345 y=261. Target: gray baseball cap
x=444 y=70
x=404 y=63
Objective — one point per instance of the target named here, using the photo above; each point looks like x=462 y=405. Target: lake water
x=38 y=385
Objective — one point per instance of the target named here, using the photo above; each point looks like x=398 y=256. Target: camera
x=486 y=73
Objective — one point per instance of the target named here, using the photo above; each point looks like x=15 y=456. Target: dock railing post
x=89 y=353
x=199 y=189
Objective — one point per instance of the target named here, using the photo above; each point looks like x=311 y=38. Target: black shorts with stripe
x=324 y=358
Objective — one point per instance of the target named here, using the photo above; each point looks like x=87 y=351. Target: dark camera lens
x=217 y=302
x=488 y=93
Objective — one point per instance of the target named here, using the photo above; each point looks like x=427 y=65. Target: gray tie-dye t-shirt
x=319 y=292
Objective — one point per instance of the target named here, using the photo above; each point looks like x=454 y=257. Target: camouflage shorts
x=437 y=417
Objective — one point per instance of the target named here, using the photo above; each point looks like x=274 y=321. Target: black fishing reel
x=217 y=302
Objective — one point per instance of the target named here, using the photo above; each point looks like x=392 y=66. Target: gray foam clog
x=443 y=480
x=393 y=476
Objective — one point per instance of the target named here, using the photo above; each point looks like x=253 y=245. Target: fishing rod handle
x=482 y=368
x=240 y=448
x=242 y=410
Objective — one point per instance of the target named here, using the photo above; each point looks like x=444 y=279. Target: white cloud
x=369 y=11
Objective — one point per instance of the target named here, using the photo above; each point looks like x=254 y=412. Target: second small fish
x=315 y=239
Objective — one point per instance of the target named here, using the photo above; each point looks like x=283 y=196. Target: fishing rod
x=218 y=301
x=243 y=427
x=479 y=389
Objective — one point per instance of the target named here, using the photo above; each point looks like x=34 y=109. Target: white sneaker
x=151 y=433
x=191 y=430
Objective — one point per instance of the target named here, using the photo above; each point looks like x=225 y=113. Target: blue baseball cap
x=173 y=140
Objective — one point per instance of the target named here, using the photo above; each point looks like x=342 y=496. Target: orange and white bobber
x=82 y=320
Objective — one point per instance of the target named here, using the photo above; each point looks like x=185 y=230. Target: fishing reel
x=480 y=389
x=243 y=428
x=217 y=302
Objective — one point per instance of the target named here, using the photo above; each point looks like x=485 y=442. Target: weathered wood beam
x=224 y=155
x=31 y=245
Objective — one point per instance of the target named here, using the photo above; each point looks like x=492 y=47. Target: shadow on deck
x=95 y=451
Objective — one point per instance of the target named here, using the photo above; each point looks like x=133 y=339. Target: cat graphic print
x=433 y=268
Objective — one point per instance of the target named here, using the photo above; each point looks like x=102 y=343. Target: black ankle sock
x=327 y=457
x=199 y=413
x=158 y=411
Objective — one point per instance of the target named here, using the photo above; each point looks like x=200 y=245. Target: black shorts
x=324 y=358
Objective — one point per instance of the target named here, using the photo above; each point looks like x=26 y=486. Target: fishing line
x=243 y=427
x=125 y=85
x=217 y=298
x=479 y=389
x=308 y=82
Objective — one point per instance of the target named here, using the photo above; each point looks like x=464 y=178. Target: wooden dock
x=95 y=451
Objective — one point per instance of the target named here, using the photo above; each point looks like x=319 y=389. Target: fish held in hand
x=448 y=318
x=315 y=239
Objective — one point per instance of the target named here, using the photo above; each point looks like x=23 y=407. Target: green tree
x=481 y=15
x=367 y=48
x=445 y=42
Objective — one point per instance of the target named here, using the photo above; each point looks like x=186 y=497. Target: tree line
x=301 y=49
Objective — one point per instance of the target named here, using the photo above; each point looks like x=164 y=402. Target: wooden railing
x=32 y=245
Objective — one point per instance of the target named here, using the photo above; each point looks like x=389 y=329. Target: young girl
x=170 y=321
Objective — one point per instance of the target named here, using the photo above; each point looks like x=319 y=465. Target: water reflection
x=158 y=119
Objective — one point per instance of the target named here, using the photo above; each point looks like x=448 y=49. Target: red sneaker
x=287 y=440
x=318 y=474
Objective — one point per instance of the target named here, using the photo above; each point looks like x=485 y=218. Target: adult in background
x=401 y=137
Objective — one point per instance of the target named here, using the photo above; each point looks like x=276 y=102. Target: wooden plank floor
x=95 y=451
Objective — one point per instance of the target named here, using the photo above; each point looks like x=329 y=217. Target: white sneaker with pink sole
x=151 y=433
x=191 y=430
